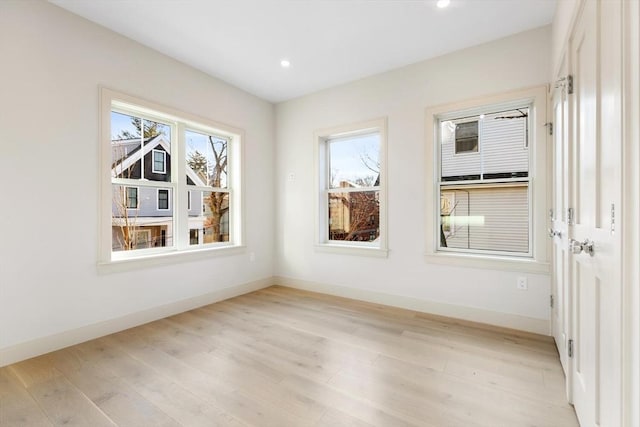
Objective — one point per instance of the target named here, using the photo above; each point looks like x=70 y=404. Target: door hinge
x=566 y=83
x=549 y=126
x=571 y=216
x=551 y=301
x=570 y=348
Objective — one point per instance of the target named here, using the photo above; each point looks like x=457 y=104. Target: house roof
x=126 y=152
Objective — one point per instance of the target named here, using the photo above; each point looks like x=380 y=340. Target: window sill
x=492 y=262
x=144 y=261
x=352 y=250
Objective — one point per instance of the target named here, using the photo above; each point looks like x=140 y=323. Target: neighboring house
x=146 y=213
x=488 y=149
x=354 y=216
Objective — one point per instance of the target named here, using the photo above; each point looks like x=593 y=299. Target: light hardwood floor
x=283 y=357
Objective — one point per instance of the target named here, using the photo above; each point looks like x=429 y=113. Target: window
x=485 y=195
x=163 y=199
x=351 y=173
x=488 y=179
x=131 y=198
x=140 y=143
x=466 y=137
x=142 y=239
x=159 y=161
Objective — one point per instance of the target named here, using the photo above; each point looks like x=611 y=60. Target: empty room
x=320 y=213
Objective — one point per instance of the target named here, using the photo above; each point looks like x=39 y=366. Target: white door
x=595 y=194
x=561 y=311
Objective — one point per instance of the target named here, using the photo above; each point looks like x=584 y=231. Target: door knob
x=577 y=247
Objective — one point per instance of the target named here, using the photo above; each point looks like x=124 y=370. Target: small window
x=163 y=199
x=351 y=163
x=466 y=137
x=188 y=200
x=132 y=198
x=159 y=161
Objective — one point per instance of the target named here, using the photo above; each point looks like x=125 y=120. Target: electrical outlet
x=291 y=177
x=522 y=283
x=252 y=256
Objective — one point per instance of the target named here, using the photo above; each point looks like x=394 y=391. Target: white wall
x=51 y=63
x=402 y=95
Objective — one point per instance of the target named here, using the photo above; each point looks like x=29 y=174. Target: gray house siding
x=501 y=148
x=493 y=219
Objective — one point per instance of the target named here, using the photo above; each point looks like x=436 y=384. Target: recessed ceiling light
x=285 y=63
x=443 y=3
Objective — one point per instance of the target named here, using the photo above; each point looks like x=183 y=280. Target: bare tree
x=362 y=207
x=122 y=218
x=217 y=199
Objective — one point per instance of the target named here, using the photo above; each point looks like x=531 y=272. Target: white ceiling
x=327 y=41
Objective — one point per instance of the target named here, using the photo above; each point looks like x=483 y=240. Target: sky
x=346 y=157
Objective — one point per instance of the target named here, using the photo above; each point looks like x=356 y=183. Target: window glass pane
x=466 y=135
x=206 y=159
x=354 y=161
x=133 y=138
x=131 y=200
x=159 y=161
x=163 y=199
x=354 y=216
x=485 y=218
x=141 y=228
x=209 y=217
x=488 y=146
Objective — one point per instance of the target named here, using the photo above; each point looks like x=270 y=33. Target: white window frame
x=321 y=141
x=537 y=260
x=153 y=161
x=168 y=208
x=179 y=121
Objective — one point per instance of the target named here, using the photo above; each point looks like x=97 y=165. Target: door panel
x=594 y=190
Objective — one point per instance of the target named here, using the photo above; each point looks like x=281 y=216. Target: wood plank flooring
x=284 y=357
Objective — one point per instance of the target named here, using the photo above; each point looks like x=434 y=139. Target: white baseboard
x=50 y=343
x=494 y=318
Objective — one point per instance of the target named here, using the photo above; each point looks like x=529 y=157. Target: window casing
x=351 y=182
x=488 y=205
x=145 y=147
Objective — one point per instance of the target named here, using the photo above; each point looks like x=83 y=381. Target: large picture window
x=352 y=197
x=156 y=155
x=488 y=160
